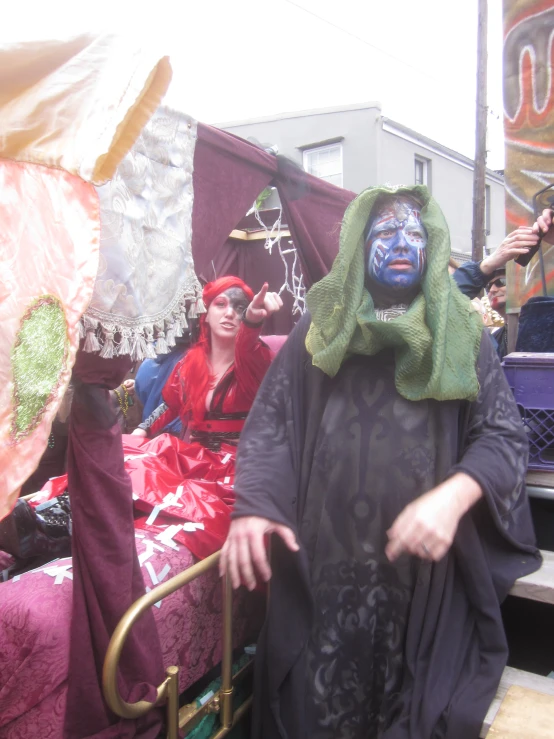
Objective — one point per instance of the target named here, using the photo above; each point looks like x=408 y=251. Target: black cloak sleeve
x=271 y=445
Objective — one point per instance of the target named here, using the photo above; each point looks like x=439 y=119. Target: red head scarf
x=195 y=371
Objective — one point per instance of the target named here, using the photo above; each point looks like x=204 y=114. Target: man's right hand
x=139 y=432
x=244 y=552
x=514 y=245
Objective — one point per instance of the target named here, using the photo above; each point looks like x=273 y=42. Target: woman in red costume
x=212 y=389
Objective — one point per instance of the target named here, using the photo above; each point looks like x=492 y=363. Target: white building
x=355 y=146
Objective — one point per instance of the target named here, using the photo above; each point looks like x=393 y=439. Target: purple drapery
x=106 y=572
x=229 y=173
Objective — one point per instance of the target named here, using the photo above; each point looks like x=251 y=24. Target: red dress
x=230 y=402
x=191 y=482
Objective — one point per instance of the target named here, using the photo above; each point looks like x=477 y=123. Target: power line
x=447 y=91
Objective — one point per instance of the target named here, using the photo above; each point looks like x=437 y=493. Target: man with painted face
x=393 y=477
x=396 y=256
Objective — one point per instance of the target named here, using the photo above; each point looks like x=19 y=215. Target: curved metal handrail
x=115 y=647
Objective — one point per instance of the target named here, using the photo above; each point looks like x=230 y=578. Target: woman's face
x=225 y=313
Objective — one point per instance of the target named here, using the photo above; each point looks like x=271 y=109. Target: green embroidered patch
x=38 y=358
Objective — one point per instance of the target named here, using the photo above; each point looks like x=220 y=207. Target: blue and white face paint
x=396 y=242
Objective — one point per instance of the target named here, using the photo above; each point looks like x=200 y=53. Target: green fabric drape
x=436 y=342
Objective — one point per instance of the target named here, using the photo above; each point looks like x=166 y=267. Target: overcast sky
x=240 y=59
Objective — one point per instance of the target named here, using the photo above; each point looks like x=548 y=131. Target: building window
x=487 y=210
x=325 y=162
x=422 y=171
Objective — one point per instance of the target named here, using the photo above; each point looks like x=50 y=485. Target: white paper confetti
x=151 y=572
x=59 y=572
x=153 y=516
x=148 y=552
x=164 y=572
x=157 y=578
x=190 y=526
x=166 y=537
x=60 y=577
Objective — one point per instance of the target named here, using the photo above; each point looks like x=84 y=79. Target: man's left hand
x=426 y=527
x=263 y=305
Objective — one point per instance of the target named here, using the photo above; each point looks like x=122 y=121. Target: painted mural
x=529 y=132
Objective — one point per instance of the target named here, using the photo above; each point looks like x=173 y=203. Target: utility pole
x=478 y=228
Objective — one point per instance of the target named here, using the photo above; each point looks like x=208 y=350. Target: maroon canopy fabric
x=229 y=173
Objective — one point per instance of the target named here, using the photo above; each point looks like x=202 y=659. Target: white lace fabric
x=146 y=272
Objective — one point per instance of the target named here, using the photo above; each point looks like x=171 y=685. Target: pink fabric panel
x=50 y=233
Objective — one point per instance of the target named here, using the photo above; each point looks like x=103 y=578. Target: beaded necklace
x=123 y=402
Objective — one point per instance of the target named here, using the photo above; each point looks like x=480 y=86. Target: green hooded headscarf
x=436 y=342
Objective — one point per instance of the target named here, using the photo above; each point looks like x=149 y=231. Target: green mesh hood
x=436 y=342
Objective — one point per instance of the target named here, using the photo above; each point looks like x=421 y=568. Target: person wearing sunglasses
x=496 y=292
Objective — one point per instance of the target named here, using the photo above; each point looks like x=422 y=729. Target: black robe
x=355 y=646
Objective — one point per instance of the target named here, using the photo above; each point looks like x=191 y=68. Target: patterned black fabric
x=354 y=646
x=362 y=601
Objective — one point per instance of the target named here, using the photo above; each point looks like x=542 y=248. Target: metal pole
x=478 y=228
x=226 y=711
x=173 y=703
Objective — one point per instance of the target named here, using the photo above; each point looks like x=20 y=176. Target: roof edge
x=299 y=114
x=493 y=174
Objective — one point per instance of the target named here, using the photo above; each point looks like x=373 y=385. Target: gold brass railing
x=188 y=716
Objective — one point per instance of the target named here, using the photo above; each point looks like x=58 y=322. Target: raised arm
x=252 y=357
